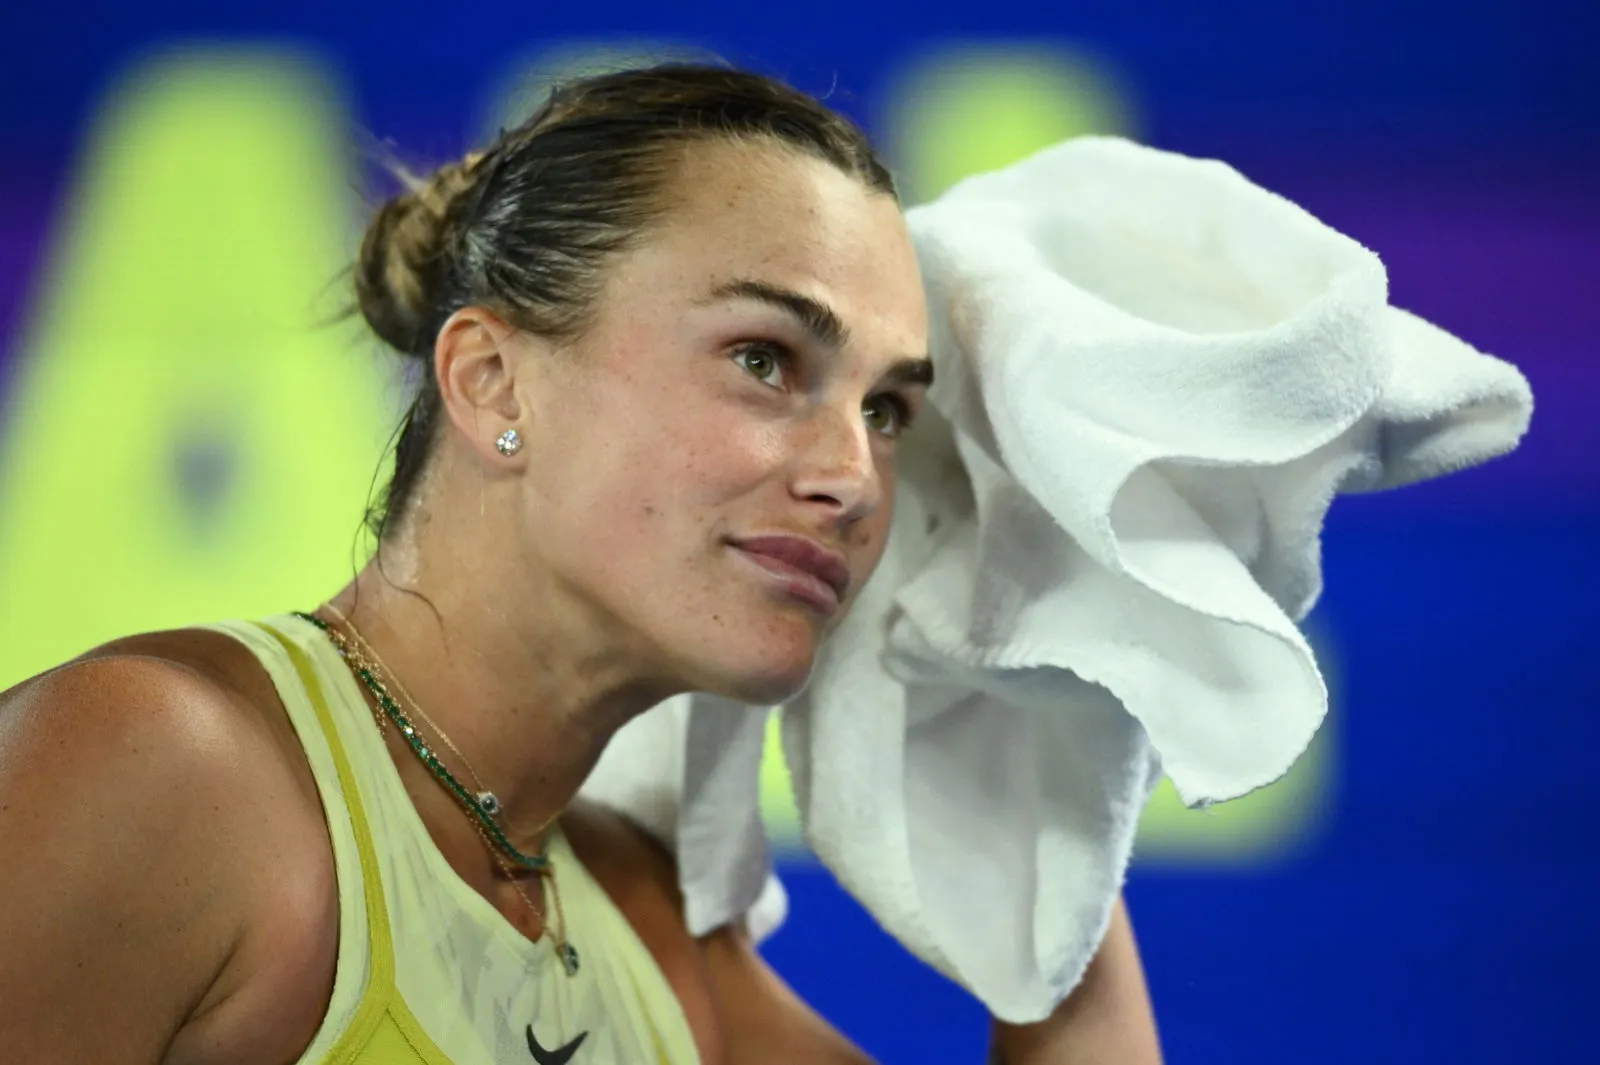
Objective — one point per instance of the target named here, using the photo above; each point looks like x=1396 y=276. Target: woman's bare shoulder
x=632 y=865
x=160 y=717
x=144 y=799
x=123 y=717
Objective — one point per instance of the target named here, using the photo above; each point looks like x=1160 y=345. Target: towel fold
x=1152 y=379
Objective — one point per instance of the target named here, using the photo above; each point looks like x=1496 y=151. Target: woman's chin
x=769 y=682
x=763 y=659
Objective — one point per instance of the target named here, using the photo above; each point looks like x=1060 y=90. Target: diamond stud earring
x=509 y=442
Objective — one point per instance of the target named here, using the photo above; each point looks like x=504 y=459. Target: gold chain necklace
x=370 y=668
x=486 y=798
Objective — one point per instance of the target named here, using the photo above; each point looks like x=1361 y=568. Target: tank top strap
x=364 y=991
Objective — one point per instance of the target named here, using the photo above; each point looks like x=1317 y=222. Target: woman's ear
x=475 y=360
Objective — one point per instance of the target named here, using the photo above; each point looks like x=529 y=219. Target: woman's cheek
x=737 y=443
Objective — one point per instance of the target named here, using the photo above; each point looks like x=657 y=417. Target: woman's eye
x=887 y=413
x=763 y=359
x=899 y=413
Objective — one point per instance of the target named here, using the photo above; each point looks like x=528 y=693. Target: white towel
x=1152 y=378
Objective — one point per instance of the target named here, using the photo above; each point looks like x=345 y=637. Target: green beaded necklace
x=408 y=731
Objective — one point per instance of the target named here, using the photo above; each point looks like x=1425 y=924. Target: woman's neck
x=527 y=680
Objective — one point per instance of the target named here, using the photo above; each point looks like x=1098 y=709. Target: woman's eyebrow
x=910 y=372
x=818 y=319
x=824 y=325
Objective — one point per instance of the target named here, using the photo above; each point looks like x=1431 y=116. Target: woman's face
x=737 y=383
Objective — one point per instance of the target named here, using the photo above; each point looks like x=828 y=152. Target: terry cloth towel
x=1152 y=378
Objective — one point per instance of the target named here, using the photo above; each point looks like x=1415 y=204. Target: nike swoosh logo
x=559 y=1056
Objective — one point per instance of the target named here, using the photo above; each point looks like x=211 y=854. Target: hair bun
x=406 y=256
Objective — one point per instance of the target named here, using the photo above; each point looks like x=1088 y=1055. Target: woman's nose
x=840 y=465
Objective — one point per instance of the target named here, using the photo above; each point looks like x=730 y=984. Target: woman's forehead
x=774 y=215
x=763 y=203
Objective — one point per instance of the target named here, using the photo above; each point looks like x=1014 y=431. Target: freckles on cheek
x=720 y=451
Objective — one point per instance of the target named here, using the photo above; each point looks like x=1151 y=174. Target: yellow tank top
x=428 y=971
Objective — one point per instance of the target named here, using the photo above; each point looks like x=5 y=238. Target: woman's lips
x=800 y=583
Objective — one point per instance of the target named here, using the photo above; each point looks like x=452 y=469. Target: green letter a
x=183 y=442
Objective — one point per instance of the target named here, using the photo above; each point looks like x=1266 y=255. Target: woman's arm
x=740 y=1010
x=745 y=1014
x=764 y=1021
x=1107 y=1020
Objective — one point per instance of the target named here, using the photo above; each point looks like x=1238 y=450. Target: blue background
x=1444 y=910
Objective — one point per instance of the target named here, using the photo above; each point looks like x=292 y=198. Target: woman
x=671 y=331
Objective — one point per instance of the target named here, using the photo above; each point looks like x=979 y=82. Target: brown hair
x=527 y=226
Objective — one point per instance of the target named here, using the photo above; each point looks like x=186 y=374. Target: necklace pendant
x=569 y=958
x=489 y=803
